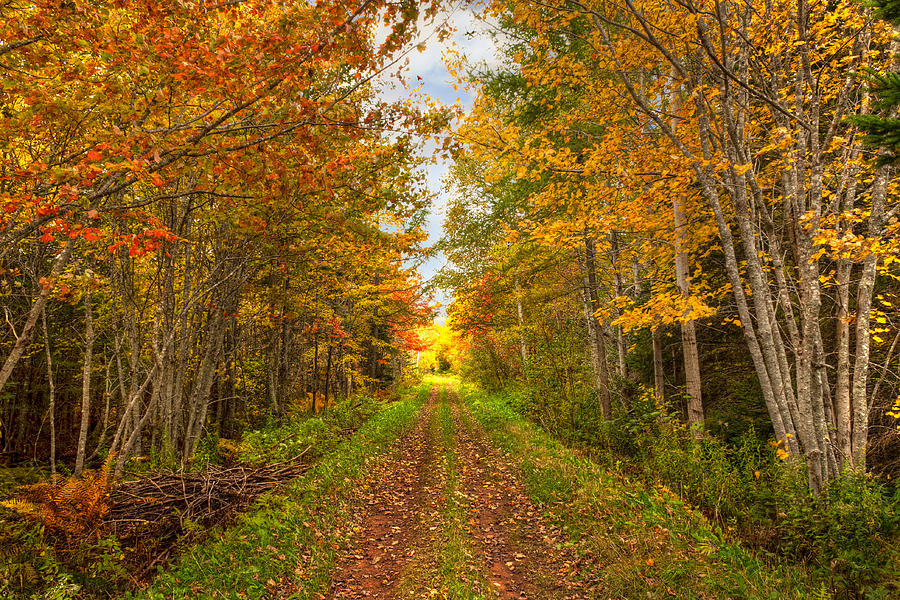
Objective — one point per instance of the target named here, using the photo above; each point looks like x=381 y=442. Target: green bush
x=33 y=564
x=30 y=568
x=851 y=532
x=311 y=435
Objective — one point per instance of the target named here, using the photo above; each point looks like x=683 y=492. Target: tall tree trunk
x=682 y=277
x=315 y=392
x=276 y=356
x=85 y=382
x=659 y=378
x=860 y=430
x=621 y=342
x=842 y=414
x=520 y=318
x=51 y=384
x=595 y=330
x=200 y=391
x=865 y=289
x=327 y=375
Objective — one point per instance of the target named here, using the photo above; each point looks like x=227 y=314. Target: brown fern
x=74 y=506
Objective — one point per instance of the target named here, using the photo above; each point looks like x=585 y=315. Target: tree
x=883 y=131
x=212 y=187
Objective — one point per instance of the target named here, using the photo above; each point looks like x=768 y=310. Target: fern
x=74 y=506
x=22 y=507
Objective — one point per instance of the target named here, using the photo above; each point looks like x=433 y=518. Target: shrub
x=850 y=532
x=73 y=506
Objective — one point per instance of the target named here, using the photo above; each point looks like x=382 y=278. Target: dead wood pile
x=148 y=515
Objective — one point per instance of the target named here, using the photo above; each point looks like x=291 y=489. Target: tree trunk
x=51 y=384
x=23 y=339
x=204 y=378
x=275 y=358
x=595 y=331
x=520 y=318
x=621 y=342
x=860 y=429
x=327 y=376
x=865 y=289
x=682 y=277
x=85 y=381
x=659 y=380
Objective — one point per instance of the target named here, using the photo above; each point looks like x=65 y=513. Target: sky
x=471 y=39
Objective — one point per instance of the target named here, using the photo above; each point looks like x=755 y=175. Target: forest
x=668 y=365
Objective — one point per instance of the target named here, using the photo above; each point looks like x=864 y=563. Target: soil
x=391 y=525
x=526 y=555
x=515 y=552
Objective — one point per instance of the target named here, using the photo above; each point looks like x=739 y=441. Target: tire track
x=518 y=546
x=508 y=546
x=391 y=524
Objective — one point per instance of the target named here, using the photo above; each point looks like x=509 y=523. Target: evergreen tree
x=883 y=131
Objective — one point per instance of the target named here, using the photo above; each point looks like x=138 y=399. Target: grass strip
x=288 y=544
x=641 y=541
x=460 y=575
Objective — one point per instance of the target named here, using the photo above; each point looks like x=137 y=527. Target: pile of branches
x=152 y=516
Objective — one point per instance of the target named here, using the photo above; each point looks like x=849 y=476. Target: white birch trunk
x=85 y=382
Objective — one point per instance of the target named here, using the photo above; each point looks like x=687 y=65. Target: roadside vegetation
x=289 y=543
x=671 y=236
x=672 y=243
x=281 y=532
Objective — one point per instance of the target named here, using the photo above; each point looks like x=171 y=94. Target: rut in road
x=523 y=552
x=445 y=482
x=391 y=525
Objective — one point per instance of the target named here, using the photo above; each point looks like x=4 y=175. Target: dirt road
x=445 y=515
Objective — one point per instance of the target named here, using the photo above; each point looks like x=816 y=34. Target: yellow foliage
x=895 y=412
x=665 y=309
x=228 y=449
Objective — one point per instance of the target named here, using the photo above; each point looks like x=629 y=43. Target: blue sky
x=471 y=39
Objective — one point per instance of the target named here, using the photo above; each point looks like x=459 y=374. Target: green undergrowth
x=12 y=477
x=289 y=542
x=848 y=537
x=642 y=540
x=310 y=436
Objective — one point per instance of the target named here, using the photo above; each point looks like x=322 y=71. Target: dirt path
x=445 y=516
x=391 y=524
x=519 y=546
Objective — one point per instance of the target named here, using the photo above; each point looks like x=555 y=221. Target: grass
x=460 y=575
x=643 y=541
x=637 y=540
x=36 y=563
x=444 y=564
x=289 y=541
